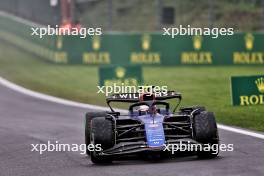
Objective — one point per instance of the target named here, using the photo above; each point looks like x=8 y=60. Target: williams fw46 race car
x=149 y=128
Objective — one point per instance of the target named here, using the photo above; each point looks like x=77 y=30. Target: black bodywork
x=129 y=131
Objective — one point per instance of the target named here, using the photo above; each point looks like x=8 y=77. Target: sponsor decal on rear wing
x=135 y=97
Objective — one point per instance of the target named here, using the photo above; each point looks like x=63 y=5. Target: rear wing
x=135 y=97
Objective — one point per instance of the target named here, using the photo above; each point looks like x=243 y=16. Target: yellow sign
x=197 y=57
x=146 y=42
x=124 y=82
x=96 y=56
x=120 y=72
x=96 y=45
x=197 y=42
x=247 y=90
x=254 y=99
x=145 y=57
x=249 y=41
x=121 y=76
x=260 y=84
x=248 y=57
x=59 y=43
x=251 y=100
x=60 y=57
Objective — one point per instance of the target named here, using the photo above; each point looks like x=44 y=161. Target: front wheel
x=205 y=132
x=102 y=133
x=88 y=118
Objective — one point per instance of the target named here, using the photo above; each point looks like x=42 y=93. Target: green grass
x=209 y=86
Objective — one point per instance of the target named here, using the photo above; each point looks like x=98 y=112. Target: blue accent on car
x=154 y=129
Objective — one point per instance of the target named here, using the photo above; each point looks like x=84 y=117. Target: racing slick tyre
x=88 y=117
x=102 y=133
x=205 y=132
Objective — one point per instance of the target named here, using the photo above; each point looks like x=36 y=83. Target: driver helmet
x=146 y=97
x=143 y=108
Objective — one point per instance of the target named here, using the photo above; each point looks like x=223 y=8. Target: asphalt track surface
x=25 y=120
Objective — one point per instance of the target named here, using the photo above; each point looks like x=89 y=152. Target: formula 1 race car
x=149 y=127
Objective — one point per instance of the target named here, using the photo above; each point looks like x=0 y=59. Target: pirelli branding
x=247 y=90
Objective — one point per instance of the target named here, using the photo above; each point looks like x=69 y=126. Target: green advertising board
x=156 y=49
x=247 y=90
x=137 y=48
x=120 y=75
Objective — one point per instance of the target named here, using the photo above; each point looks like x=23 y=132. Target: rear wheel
x=88 y=117
x=205 y=132
x=102 y=133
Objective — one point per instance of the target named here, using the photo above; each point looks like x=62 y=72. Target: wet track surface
x=25 y=120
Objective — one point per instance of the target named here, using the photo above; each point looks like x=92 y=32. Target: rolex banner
x=247 y=90
x=156 y=49
x=120 y=75
x=138 y=48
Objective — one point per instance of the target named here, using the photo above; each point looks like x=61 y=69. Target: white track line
x=240 y=131
x=42 y=96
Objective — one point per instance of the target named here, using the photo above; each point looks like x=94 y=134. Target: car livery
x=148 y=127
